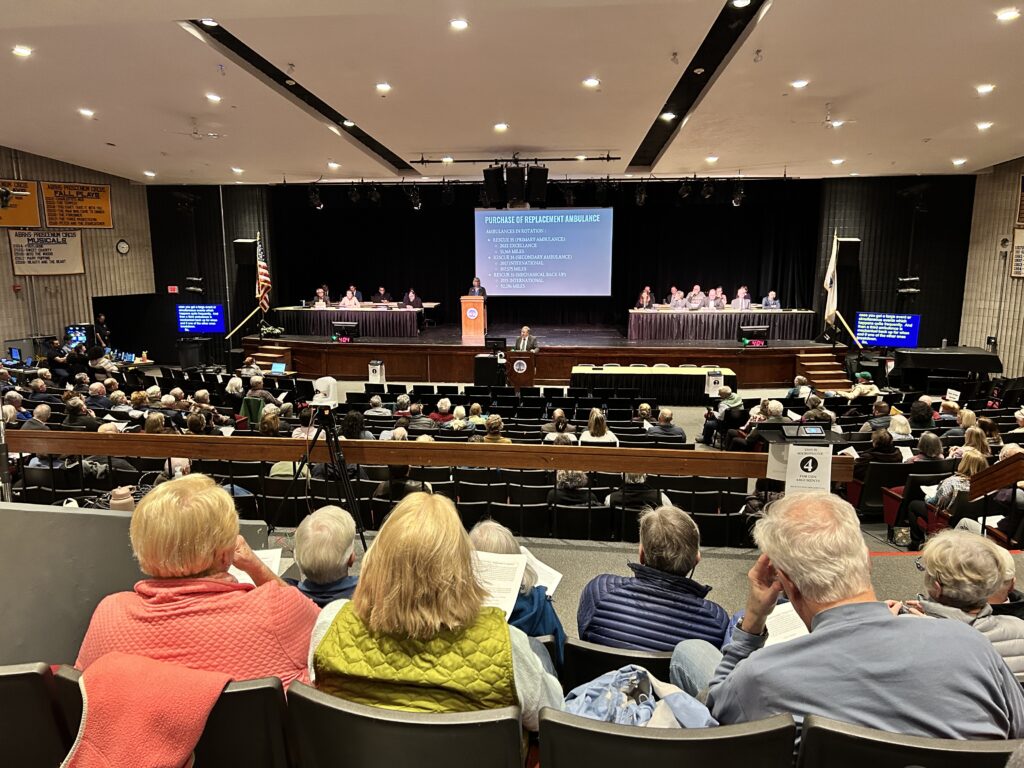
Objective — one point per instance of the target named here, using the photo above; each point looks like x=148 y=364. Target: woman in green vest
x=416 y=636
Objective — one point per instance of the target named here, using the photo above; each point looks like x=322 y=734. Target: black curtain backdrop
x=768 y=242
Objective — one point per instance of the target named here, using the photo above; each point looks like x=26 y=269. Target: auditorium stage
x=439 y=354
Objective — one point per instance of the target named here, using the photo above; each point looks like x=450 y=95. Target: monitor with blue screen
x=887 y=329
x=277 y=367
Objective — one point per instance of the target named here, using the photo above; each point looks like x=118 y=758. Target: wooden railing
x=652 y=461
x=1000 y=475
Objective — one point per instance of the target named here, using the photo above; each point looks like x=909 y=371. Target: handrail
x=1000 y=475
x=654 y=461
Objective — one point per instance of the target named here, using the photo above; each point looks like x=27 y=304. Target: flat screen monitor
x=200 y=318
x=885 y=329
x=15 y=354
x=550 y=252
x=496 y=343
x=79 y=333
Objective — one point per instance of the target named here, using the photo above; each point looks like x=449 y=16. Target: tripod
x=325 y=425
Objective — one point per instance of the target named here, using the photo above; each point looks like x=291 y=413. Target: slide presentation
x=200 y=318
x=882 y=329
x=550 y=252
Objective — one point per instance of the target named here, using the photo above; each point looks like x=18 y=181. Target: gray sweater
x=862 y=665
x=1006 y=633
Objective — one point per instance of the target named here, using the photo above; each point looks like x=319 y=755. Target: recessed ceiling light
x=1008 y=14
x=711 y=159
x=86 y=112
x=348 y=124
x=208 y=22
x=837 y=161
x=798 y=84
x=591 y=82
x=501 y=127
x=668 y=117
x=237 y=170
x=854 y=173
x=984 y=125
x=150 y=174
x=838 y=123
x=334 y=129
x=581 y=157
x=985 y=88
x=447 y=159
x=333 y=165
x=458 y=24
x=213 y=97
x=21 y=50
x=740 y=3
x=289 y=82
x=958 y=161
x=383 y=87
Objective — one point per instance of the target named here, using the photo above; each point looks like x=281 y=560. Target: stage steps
x=273 y=353
x=823 y=370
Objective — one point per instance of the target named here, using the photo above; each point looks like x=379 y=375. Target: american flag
x=263 y=284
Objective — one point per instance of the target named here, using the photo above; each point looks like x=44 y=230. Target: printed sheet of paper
x=546 y=575
x=270 y=557
x=501 y=576
x=784 y=624
x=906 y=453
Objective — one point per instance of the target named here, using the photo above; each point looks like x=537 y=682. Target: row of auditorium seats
x=254 y=725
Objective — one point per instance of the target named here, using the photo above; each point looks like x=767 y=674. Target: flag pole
x=239 y=326
x=847 y=327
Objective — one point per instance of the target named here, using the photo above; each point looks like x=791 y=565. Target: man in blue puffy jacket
x=660 y=604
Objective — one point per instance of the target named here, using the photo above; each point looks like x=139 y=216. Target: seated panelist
x=350 y=301
x=381 y=296
x=695 y=299
x=320 y=298
x=714 y=300
x=412 y=300
x=742 y=300
x=771 y=301
x=644 y=301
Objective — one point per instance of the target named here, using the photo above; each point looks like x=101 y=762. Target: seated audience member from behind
x=40 y=415
x=801 y=388
x=98 y=397
x=558 y=423
x=419 y=604
x=443 y=412
x=401 y=405
x=922 y=416
x=398 y=485
x=665 y=427
x=1007 y=600
x=882 y=451
x=494 y=426
x=961 y=571
x=865 y=387
x=533 y=612
x=636 y=493
x=660 y=604
x=1006 y=506
x=191 y=611
x=860 y=664
x=948 y=410
x=929 y=450
x=965 y=419
x=1019 y=418
x=571 y=489
x=643 y=413
x=77 y=415
x=879 y=417
x=250 y=368
x=417 y=420
x=376 y=408
x=324 y=552
x=256 y=390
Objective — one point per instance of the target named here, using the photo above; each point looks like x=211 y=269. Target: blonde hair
x=971 y=464
x=899 y=425
x=417 y=579
x=182 y=528
x=966 y=567
x=597 y=426
x=974 y=438
x=967 y=418
x=492 y=536
x=154 y=423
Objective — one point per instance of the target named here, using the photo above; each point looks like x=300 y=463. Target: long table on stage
x=683 y=385
x=382 y=320
x=706 y=324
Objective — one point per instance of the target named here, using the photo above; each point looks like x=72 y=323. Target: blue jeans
x=693 y=665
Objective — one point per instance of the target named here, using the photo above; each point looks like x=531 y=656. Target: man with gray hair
x=40 y=415
x=256 y=390
x=860 y=663
x=77 y=415
x=98 y=396
x=665 y=427
x=324 y=552
x=660 y=604
x=402 y=405
x=376 y=408
x=15 y=400
x=38 y=393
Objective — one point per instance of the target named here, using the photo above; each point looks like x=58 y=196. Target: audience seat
x=585 y=661
x=826 y=743
x=568 y=741
x=330 y=732
x=586 y=523
x=33 y=733
x=866 y=496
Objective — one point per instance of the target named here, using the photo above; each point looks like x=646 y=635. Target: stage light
x=21 y=50
x=314 y=198
x=641 y=195
x=348 y=124
x=568 y=195
x=415 y=201
x=373 y=195
x=668 y=117
x=684 y=190
x=581 y=158
x=353 y=194
x=738 y=195
x=711 y=159
x=740 y=3
x=447 y=159
x=707 y=190
x=208 y=22
x=333 y=165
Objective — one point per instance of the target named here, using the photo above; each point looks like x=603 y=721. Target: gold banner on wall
x=24 y=209
x=77 y=206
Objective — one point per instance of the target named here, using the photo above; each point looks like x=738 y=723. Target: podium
x=474 y=319
x=521 y=368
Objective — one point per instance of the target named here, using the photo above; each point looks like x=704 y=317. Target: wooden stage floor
x=439 y=354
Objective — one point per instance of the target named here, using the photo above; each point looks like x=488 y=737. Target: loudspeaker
x=515 y=184
x=494 y=186
x=827 y=336
x=537 y=186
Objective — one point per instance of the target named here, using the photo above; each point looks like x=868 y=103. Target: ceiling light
x=591 y=82
x=668 y=117
x=1008 y=14
x=334 y=129
x=837 y=161
x=208 y=22
x=333 y=165
x=383 y=87
x=21 y=50
x=798 y=84
x=711 y=159
x=740 y=3
x=854 y=173
x=581 y=158
x=458 y=24
x=501 y=127
x=150 y=174
x=239 y=182
x=237 y=170
x=985 y=88
x=213 y=97
x=984 y=125
x=289 y=82
x=958 y=161
x=348 y=124
x=447 y=159
x=86 y=112
x=837 y=123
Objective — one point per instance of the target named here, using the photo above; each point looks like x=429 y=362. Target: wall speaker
x=537 y=186
x=494 y=186
x=515 y=184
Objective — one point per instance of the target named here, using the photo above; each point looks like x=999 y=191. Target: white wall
x=993 y=301
x=47 y=304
